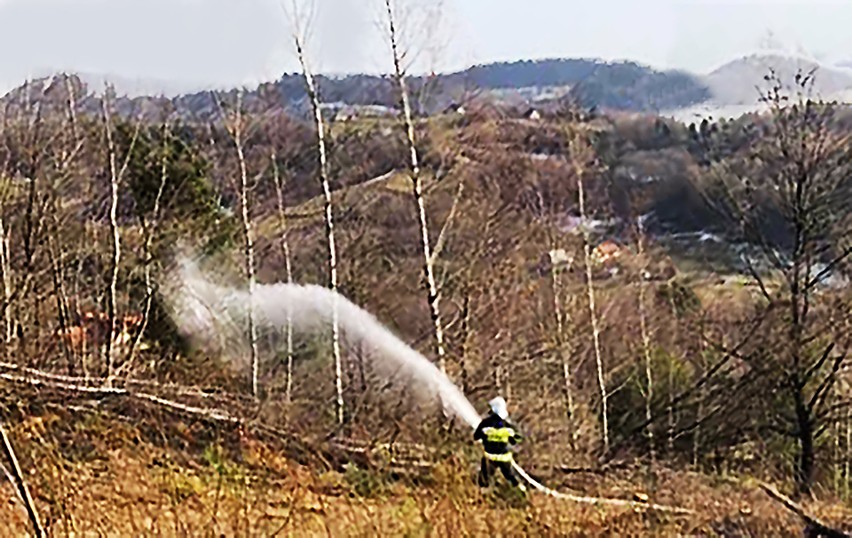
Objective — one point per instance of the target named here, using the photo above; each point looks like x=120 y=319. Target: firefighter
x=497 y=433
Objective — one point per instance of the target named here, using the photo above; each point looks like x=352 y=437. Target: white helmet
x=498 y=406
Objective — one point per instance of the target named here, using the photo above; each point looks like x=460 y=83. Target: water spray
x=207 y=311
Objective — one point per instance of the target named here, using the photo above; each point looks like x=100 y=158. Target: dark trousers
x=486 y=469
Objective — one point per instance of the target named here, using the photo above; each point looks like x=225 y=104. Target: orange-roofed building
x=607 y=253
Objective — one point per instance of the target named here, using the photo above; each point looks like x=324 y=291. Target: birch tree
x=236 y=127
x=116 y=173
x=582 y=158
x=5 y=261
x=288 y=267
x=63 y=161
x=324 y=177
x=6 y=269
x=430 y=285
x=149 y=231
x=559 y=262
x=646 y=336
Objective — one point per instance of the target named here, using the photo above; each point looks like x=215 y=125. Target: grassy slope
x=92 y=476
x=103 y=476
x=111 y=478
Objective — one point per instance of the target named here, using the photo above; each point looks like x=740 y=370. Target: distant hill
x=621 y=86
x=630 y=86
x=730 y=90
x=735 y=82
x=594 y=83
x=735 y=87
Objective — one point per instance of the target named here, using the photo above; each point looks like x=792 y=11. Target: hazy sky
x=242 y=41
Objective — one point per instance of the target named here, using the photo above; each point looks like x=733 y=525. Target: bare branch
x=829 y=268
x=815 y=527
x=20 y=484
x=448 y=224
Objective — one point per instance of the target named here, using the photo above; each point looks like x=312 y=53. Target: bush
x=365 y=482
x=671 y=377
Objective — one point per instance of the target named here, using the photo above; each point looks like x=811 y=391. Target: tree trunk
x=72 y=107
x=248 y=242
x=61 y=300
x=702 y=396
x=69 y=152
x=116 y=175
x=433 y=295
x=672 y=421
x=21 y=484
x=590 y=288
x=116 y=237
x=5 y=268
x=805 y=438
x=847 y=454
x=836 y=468
x=564 y=352
x=329 y=225
x=646 y=345
x=285 y=251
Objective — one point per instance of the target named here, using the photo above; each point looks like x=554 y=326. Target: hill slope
x=734 y=83
x=594 y=83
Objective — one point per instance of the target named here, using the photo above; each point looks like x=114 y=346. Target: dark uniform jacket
x=496 y=435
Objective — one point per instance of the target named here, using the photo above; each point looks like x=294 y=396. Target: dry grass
x=99 y=477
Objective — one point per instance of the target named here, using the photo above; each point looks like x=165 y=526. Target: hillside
x=729 y=91
x=653 y=294
x=205 y=482
x=735 y=87
x=735 y=83
x=594 y=83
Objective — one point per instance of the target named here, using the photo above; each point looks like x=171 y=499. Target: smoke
x=209 y=312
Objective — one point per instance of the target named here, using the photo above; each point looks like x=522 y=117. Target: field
x=93 y=476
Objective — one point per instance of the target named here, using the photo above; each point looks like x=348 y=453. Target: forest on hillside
x=528 y=257
x=621 y=86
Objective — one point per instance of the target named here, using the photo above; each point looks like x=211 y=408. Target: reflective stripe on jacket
x=496 y=436
x=503 y=458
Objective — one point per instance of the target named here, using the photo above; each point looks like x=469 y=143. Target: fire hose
x=594 y=500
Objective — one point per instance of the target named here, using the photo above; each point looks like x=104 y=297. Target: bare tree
x=801 y=171
x=559 y=261
x=116 y=175
x=33 y=146
x=433 y=295
x=63 y=162
x=149 y=231
x=285 y=251
x=6 y=268
x=236 y=126
x=847 y=456
x=648 y=393
x=671 y=409
x=702 y=397
x=316 y=109
x=582 y=159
